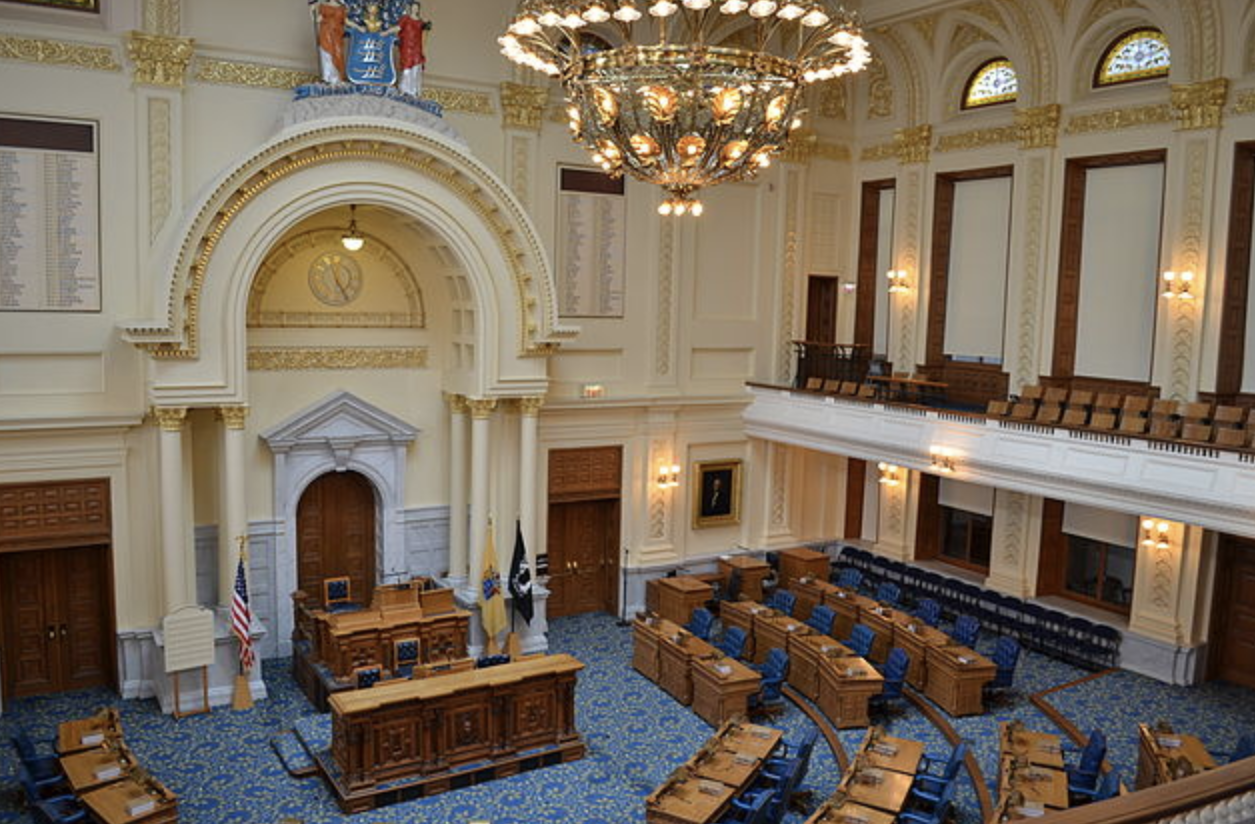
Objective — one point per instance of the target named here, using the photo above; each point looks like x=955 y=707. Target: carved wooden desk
x=678 y=650
x=772 y=632
x=810 y=593
x=915 y=638
x=801 y=562
x=742 y=614
x=109 y=804
x=679 y=596
x=849 y=606
x=881 y=620
x=846 y=685
x=753 y=572
x=1166 y=756
x=413 y=729
x=805 y=653
x=721 y=689
x=956 y=679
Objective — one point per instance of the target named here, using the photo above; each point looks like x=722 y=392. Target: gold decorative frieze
x=1038 y=128
x=59 y=53
x=1245 y=102
x=912 y=145
x=881 y=151
x=159 y=60
x=522 y=106
x=801 y=147
x=481 y=408
x=163 y=16
x=252 y=75
x=170 y=418
x=295 y=358
x=1200 y=105
x=1111 y=120
x=459 y=100
x=335 y=320
x=978 y=139
x=233 y=417
x=833 y=151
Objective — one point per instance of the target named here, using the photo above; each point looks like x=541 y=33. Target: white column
x=457 y=490
x=233 y=522
x=529 y=421
x=481 y=420
x=174 y=539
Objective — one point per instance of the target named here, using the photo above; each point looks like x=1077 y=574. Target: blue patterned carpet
x=224 y=769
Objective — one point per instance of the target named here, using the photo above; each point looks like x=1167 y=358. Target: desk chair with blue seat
x=701 y=624
x=821 y=620
x=1109 y=787
x=1244 y=749
x=896 y=666
x=783 y=601
x=850 y=579
x=733 y=642
x=888 y=593
x=367 y=677
x=57 y=808
x=1083 y=775
x=337 y=594
x=1006 y=655
x=44 y=771
x=929 y=787
x=966 y=631
x=928 y=611
x=939 y=812
x=751 y=807
x=769 y=699
x=404 y=657
x=860 y=641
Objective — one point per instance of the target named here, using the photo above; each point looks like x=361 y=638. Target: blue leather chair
x=850 y=579
x=367 y=677
x=1244 y=749
x=801 y=747
x=1006 y=655
x=733 y=642
x=939 y=811
x=701 y=624
x=894 y=674
x=888 y=593
x=44 y=771
x=1109 y=787
x=781 y=776
x=928 y=611
x=1083 y=775
x=770 y=697
x=336 y=595
x=404 y=657
x=782 y=600
x=753 y=807
x=775 y=664
x=966 y=631
x=486 y=661
x=929 y=787
x=821 y=619
x=59 y=808
x=861 y=639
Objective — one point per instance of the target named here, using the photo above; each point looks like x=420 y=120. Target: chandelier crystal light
x=687 y=94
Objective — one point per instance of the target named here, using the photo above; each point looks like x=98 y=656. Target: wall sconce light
x=1155 y=534
x=668 y=476
x=849 y=287
x=890 y=475
x=897 y=281
x=352 y=239
x=943 y=459
x=1177 y=285
x=592 y=390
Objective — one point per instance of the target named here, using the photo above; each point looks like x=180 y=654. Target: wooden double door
x=1233 y=620
x=335 y=528
x=583 y=530
x=57 y=620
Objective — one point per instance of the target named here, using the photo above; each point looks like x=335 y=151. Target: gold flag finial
x=242 y=540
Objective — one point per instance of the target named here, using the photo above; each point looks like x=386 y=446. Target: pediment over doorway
x=341 y=421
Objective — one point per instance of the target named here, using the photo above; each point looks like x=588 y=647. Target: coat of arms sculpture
x=373 y=47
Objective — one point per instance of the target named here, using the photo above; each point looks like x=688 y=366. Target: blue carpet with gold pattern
x=224 y=767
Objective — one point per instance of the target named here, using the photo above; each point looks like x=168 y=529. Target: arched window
x=992 y=83
x=1136 y=55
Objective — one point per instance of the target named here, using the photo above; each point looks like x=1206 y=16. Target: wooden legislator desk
x=742 y=615
x=849 y=606
x=956 y=679
x=94 y=768
x=772 y=631
x=810 y=593
x=881 y=772
x=840 y=810
x=805 y=653
x=678 y=650
x=679 y=596
x=753 y=572
x=417 y=736
x=1164 y=756
x=801 y=562
x=90 y=733
x=645 y=644
x=699 y=791
x=881 y=620
x=112 y=804
x=1030 y=770
x=846 y=685
x=721 y=688
x=916 y=638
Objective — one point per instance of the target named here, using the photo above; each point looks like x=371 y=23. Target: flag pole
x=242 y=695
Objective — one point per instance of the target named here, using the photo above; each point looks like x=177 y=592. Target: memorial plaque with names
x=592 y=250
x=49 y=216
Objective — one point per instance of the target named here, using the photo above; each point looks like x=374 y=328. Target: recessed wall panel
x=727 y=255
x=977 y=278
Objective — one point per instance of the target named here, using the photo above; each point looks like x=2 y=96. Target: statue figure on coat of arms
x=379 y=33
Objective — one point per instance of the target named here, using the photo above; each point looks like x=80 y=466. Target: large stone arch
x=197 y=331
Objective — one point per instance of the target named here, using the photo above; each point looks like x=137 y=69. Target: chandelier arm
x=543 y=45
x=812 y=43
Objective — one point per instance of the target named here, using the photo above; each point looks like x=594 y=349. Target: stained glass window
x=1137 y=55
x=994 y=82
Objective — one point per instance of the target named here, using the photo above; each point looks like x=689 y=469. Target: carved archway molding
x=443 y=164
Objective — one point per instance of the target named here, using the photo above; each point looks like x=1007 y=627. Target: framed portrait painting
x=718 y=498
x=77 y=5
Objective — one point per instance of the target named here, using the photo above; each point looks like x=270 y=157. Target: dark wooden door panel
x=85 y=647
x=1235 y=651
x=30 y=625
x=336 y=534
x=583 y=556
x=821 y=309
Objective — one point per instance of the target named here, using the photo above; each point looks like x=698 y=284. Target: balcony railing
x=829 y=361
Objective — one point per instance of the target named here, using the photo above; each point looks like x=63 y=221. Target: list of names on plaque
x=49 y=217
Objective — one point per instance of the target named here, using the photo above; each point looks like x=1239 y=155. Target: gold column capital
x=523 y=106
x=914 y=144
x=530 y=406
x=160 y=60
x=1200 y=105
x=481 y=408
x=170 y=418
x=457 y=403
x=1038 y=128
x=233 y=416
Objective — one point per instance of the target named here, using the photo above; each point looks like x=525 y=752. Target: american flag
x=242 y=616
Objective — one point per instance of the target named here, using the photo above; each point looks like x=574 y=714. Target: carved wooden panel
x=468 y=727
x=583 y=556
x=973 y=384
x=1231 y=363
x=590 y=472
x=855 y=489
x=335 y=527
x=1100 y=385
x=1067 y=304
x=61 y=512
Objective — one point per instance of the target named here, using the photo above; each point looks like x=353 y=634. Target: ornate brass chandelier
x=710 y=98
